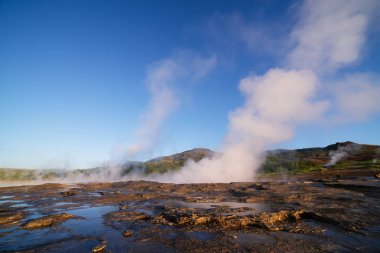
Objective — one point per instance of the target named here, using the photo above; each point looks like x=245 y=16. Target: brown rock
x=39 y=223
x=123 y=205
x=126 y=216
x=99 y=248
x=68 y=193
x=47 y=221
x=297 y=215
x=377 y=175
x=127 y=233
x=11 y=218
x=271 y=218
x=244 y=222
x=201 y=220
x=254 y=199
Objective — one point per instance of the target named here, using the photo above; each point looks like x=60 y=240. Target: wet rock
x=260 y=187
x=4 y=234
x=68 y=193
x=254 y=199
x=126 y=216
x=201 y=220
x=193 y=218
x=47 y=221
x=123 y=205
x=278 y=221
x=11 y=218
x=100 y=248
x=233 y=221
x=127 y=233
x=271 y=218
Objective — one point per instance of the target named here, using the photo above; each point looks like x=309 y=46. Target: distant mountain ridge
x=341 y=155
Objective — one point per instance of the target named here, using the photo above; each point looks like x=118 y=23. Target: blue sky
x=74 y=76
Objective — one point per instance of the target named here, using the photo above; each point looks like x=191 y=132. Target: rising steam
x=329 y=36
x=275 y=103
x=341 y=152
x=162 y=80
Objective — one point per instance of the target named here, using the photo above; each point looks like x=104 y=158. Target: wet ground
x=330 y=212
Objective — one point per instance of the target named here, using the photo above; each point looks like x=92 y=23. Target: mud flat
x=332 y=212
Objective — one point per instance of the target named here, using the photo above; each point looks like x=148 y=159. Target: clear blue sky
x=73 y=75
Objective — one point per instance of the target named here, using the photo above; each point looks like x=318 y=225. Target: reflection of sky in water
x=91 y=225
x=64 y=203
x=95 y=194
x=23 y=239
x=10 y=201
x=21 y=205
x=6 y=197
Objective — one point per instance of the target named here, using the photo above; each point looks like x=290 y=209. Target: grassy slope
x=315 y=159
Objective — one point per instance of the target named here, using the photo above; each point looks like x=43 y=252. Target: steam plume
x=341 y=152
x=162 y=78
x=267 y=117
x=329 y=36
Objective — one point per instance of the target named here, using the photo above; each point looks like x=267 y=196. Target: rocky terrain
x=327 y=211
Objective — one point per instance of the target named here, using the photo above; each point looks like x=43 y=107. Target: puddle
x=92 y=226
x=96 y=194
x=250 y=239
x=6 y=197
x=201 y=236
x=20 y=239
x=93 y=212
x=21 y=205
x=10 y=201
x=64 y=203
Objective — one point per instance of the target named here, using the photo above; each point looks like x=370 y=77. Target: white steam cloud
x=267 y=117
x=330 y=34
x=162 y=78
x=341 y=152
